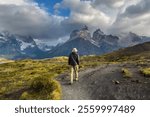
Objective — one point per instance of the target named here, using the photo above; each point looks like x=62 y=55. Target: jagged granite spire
x=83 y=33
x=98 y=35
x=85 y=27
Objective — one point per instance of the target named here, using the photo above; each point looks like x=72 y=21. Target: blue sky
x=49 y=4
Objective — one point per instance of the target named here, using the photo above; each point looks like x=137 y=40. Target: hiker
x=73 y=61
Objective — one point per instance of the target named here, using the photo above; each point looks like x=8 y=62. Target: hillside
x=134 y=52
x=118 y=73
x=31 y=79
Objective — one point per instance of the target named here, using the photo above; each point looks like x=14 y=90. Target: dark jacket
x=73 y=59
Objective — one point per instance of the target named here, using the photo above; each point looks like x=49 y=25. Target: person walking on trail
x=73 y=61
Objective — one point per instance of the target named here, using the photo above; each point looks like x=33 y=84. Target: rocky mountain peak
x=83 y=33
x=131 y=34
x=134 y=37
x=98 y=31
x=5 y=34
x=98 y=35
x=85 y=27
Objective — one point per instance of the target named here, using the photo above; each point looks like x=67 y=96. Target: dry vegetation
x=2 y=60
x=145 y=72
x=31 y=79
x=126 y=73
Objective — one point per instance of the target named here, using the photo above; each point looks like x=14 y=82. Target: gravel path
x=76 y=91
x=105 y=82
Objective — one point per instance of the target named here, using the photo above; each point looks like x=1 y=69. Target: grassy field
x=31 y=79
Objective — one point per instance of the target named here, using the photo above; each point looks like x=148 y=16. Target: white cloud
x=135 y=18
x=16 y=2
x=56 y=8
x=109 y=3
x=26 y=17
x=84 y=13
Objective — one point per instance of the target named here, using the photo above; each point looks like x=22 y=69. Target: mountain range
x=96 y=44
x=14 y=46
x=19 y=47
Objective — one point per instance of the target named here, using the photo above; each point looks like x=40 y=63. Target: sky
x=54 y=20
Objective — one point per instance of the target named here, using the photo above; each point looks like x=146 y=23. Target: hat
x=74 y=50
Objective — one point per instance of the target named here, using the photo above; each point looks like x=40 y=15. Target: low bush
x=145 y=72
x=126 y=73
x=43 y=88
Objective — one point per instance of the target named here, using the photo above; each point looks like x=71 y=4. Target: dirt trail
x=76 y=91
x=101 y=83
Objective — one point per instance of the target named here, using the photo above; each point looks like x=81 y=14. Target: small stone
x=117 y=82
x=138 y=81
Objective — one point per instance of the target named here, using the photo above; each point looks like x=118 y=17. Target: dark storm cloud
x=109 y=3
x=142 y=7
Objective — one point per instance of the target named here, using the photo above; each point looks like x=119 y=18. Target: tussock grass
x=43 y=88
x=37 y=76
x=126 y=73
x=145 y=71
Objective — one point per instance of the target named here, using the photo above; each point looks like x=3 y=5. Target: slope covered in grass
x=31 y=79
x=137 y=52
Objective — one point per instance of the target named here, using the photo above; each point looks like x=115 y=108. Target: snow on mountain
x=14 y=46
x=44 y=45
x=25 y=45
